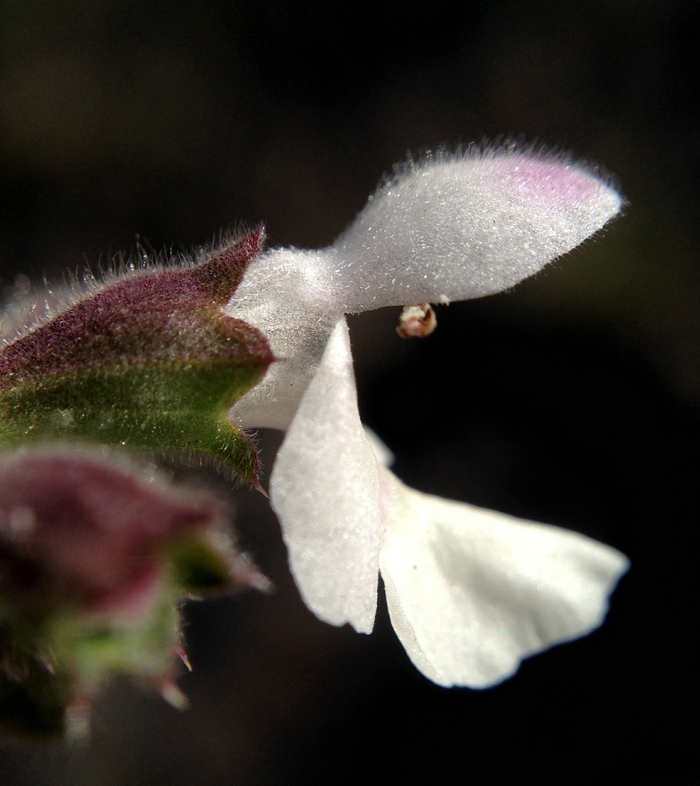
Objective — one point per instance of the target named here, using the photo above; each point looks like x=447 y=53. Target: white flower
x=470 y=592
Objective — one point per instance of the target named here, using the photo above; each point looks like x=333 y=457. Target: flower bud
x=95 y=558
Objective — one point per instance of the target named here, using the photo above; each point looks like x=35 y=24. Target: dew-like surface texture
x=464 y=226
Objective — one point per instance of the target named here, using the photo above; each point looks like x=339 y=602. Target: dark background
x=572 y=400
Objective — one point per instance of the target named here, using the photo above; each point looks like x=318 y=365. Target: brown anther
x=417 y=321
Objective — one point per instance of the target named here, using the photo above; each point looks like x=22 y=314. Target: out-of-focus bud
x=95 y=559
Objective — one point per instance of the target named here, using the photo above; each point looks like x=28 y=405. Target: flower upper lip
x=451 y=227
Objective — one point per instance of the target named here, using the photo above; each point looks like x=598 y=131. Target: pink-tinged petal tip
x=462 y=226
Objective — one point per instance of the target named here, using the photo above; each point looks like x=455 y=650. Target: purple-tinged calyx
x=148 y=361
x=94 y=561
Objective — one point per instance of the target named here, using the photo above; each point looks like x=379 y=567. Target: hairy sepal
x=149 y=361
x=95 y=559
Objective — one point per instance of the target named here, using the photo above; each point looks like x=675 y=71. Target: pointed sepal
x=95 y=559
x=148 y=361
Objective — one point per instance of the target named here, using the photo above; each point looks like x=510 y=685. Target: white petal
x=472 y=592
x=285 y=293
x=467 y=225
x=325 y=490
x=384 y=456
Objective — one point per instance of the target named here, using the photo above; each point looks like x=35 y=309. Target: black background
x=573 y=399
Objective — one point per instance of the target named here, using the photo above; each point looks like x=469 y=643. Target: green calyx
x=62 y=665
x=155 y=408
x=52 y=667
x=150 y=361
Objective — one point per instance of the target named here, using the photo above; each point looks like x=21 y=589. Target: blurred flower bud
x=95 y=558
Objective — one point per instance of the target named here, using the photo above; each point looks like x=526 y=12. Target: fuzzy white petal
x=325 y=491
x=385 y=458
x=472 y=592
x=285 y=294
x=467 y=225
